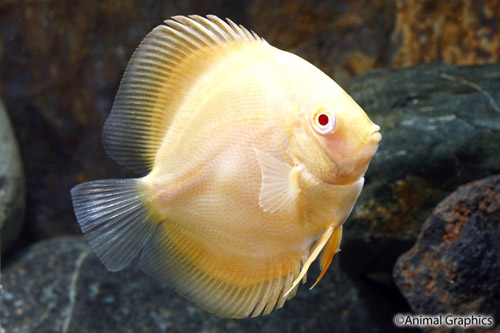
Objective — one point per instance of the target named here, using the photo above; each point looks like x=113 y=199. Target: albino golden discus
x=251 y=157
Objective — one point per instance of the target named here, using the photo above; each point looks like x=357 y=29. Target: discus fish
x=250 y=158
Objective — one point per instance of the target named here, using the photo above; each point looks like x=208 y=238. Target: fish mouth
x=375 y=135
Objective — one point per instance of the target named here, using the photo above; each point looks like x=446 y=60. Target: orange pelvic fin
x=329 y=251
x=312 y=256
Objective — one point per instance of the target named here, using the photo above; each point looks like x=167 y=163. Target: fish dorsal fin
x=156 y=79
x=278 y=189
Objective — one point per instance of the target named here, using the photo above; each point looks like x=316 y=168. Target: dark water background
x=60 y=66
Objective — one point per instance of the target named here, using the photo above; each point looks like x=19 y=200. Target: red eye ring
x=324 y=121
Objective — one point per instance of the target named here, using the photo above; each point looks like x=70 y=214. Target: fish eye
x=324 y=121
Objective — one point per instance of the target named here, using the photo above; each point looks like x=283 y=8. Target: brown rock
x=397 y=33
x=454 y=265
x=456 y=32
x=343 y=38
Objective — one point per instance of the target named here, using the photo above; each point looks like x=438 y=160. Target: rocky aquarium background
x=427 y=71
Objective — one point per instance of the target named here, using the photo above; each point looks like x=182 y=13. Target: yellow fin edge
x=312 y=256
x=329 y=251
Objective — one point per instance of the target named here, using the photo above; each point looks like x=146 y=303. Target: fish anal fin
x=212 y=279
x=329 y=251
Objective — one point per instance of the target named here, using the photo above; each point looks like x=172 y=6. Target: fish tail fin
x=115 y=219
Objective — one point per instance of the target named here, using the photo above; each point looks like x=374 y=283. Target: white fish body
x=242 y=187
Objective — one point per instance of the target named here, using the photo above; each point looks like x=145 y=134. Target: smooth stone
x=12 y=191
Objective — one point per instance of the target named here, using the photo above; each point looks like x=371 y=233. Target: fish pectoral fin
x=277 y=190
x=329 y=251
x=312 y=256
x=114 y=218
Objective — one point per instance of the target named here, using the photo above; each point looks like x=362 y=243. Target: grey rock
x=12 y=192
x=454 y=265
x=59 y=285
x=440 y=127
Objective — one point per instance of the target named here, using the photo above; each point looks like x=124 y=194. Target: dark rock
x=60 y=66
x=59 y=285
x=348 y=37
x=441 y=129
x=12 y=192
x=454 y=266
